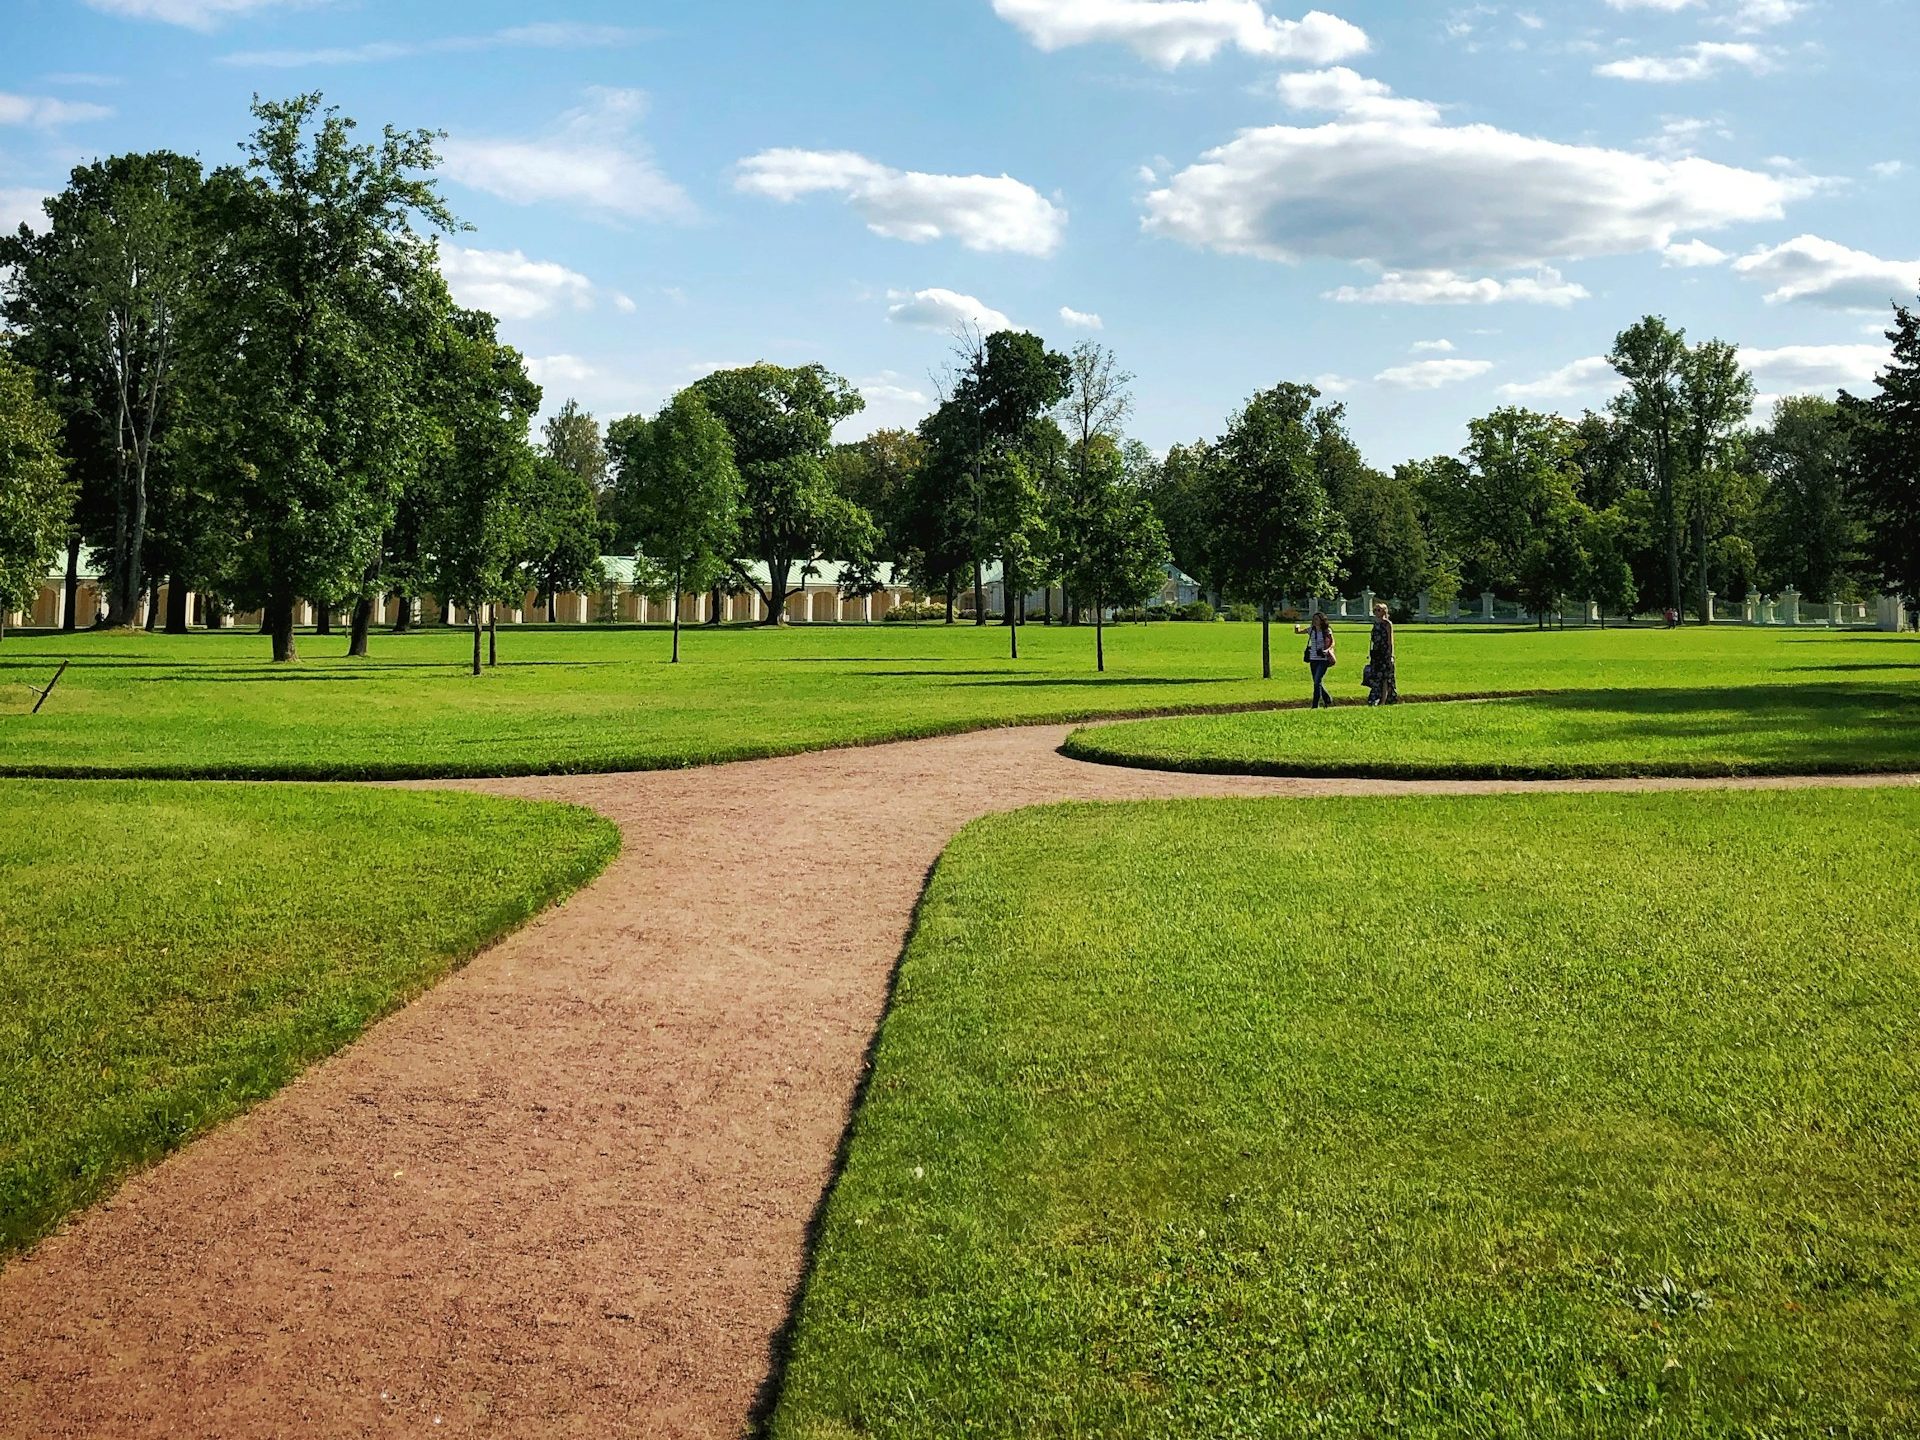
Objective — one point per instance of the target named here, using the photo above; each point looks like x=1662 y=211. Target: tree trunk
x=362 y=623
x=1046 y=607
x=1099 y=640
x=715 y=602
x=68 y=623
x=178 y=618
x=676 y=619
x=493 y=636
x=402 y=613
x=323 y=618
x=1007 y=580
x=951 y=588
x=1266 y=641
x=153 y=607
x=476 y=641
x=553 y=608
x=278 y=623
x=979 y=591
x=1706 y=585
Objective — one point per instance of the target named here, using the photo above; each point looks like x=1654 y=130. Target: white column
x=1711 y=597
x=866 y=609
x=1790 y=607
x=1833 y=611
x=1486 y=605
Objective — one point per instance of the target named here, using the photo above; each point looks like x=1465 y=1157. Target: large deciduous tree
x=781 y=421
x=1651 y=356
x=1886 y=461
x=102 y=297
x=684 y=487
x=320 y=296
x=1812 y=536
x=36 y=498
x=1277 y=531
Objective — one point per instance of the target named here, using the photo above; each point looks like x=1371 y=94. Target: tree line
x=253 y=383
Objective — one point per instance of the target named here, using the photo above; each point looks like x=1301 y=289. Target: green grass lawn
x=170 y=954
x=597 y=699
x=1865 y=726
x=1582 y=1116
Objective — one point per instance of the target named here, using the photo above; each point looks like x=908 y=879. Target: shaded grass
x=170 y=954
x=1520 y=1116
x=1781 y=729
x=582 y=700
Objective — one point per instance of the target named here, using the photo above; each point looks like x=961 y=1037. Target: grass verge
x=1535 y=1116
x=1777 y=729
x=170 y=954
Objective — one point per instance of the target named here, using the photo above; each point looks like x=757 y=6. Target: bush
x=1241 y=613
x=903 y=614
x=1195 y=610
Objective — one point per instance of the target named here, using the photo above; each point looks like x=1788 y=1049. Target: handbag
x=1366 y=677
x=1306 y=656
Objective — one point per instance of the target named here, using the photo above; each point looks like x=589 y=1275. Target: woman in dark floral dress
x=1383 y=688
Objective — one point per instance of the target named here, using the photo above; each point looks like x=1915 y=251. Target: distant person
x=1672 y=618
x=1320 y=656
x=1382 y=684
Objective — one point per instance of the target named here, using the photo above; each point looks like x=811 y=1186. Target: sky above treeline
x=1428 y=210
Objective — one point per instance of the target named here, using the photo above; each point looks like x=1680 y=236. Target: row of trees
x=1666 y=496
x=262 y=390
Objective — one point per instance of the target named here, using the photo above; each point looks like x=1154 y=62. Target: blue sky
x=1433 y=209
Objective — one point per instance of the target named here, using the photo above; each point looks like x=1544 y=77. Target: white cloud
x=513 y=287
x=193 y=14
x=45 y=113
x=1812 y=271
x=22 y=206
x=1444 y=287
x=1433 y=347
x=1795 y=369
x=1887 y=169
x=1740 y=14
x=1692 y=255
x=552 y=370
x=1433 y=374
x=1594 y=376
x=1333 y=384
x=944 y=310
x=1081 y=319
x=1345 y=92
x=1696 y=62
x=1172 y=32
x=1403 y=192
x=544 y=35
x=591 y=158
x=982 y=212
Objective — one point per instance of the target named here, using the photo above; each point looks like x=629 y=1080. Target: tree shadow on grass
x=1102 y=682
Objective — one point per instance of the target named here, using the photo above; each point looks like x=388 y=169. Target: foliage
x=686 y=497
x=1350 y=1118
x=1887 y=460
x=1116 y=552
x=320 y=306
x=194 y=962
x=36 y=497
x=781 y=423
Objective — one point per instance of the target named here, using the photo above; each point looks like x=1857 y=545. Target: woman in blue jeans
x=1320 y=657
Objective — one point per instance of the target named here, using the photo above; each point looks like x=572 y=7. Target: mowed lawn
x=599 y=699
x=171 y=953
x=1582 y=1116
x=1871 y=724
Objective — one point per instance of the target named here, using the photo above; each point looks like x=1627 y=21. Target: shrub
x=923 y=610
x=1242 y=613
x=1195 y=610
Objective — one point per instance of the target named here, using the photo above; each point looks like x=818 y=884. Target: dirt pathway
x=566 y=1193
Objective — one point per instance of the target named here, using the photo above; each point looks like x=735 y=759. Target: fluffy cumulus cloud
x=1692 y=255
x=1433 y=374
x=1812 y=271
x=982 y=212
x=514 y=287
x=194 y=14
x=1081 y=319
x=1591 y=378
x=44 y=113
x=591 y=158
x=1696 y=62
x=1388 y=184
x=1173 y=32
x=22 y=206
x=1796 y=369
x=944 y=310
x=1443 y=287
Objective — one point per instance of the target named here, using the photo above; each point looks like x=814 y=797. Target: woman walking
x=1320 y=657
x=1382 y=685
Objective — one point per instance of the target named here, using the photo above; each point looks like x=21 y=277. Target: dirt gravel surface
x=567 y=1192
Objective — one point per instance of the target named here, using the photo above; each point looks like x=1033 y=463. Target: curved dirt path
x=567 y=1192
